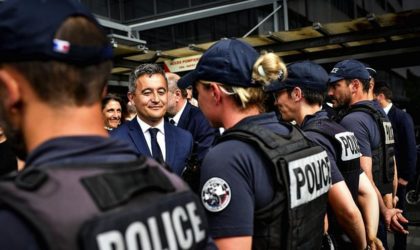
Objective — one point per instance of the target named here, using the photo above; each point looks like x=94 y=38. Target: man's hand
x=402 y=182
x=396 y=221
x=395 y=201
x=376 y=244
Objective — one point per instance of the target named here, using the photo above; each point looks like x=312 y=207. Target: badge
x=215 y=194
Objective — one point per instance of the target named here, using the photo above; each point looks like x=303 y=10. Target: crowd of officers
x=298 y=174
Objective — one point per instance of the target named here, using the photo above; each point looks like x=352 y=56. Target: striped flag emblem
x=61 y=46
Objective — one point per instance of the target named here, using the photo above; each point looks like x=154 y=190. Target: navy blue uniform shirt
x=15 y=233
x=364 y=128
x=324 y=143
x=246 y=172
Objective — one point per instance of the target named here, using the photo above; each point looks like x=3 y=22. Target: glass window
x=115 y=9
x=99 y=7
x=200 y=2
x=134 y=9
x=170 y=5
x=184 y=34
x=204 y=30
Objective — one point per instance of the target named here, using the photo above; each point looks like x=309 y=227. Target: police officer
x=245 y=187
x=79 y=189
x=299 y=98
x=349 y=83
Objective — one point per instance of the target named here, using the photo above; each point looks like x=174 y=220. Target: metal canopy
x=386 y=41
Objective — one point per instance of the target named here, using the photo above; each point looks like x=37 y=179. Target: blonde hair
x=267 y=68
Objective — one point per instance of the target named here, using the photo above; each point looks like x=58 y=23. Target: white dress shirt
x=178 y=115
x=160 y=137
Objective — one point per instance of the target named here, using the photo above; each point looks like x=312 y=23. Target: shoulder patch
x=215 y=194
x=349 y=146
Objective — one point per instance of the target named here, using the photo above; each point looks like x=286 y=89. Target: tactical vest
x=302 y=177
x=383 y=155
x=115 y=206
x=348 y=162
x=347 y=150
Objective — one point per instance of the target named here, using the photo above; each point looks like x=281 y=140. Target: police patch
x=215 y=194
x=310 y=177
x=389 y=133
x=349 y=146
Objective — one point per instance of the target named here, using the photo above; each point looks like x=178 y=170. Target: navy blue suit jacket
x=178 y=143
x=405 y=142
x=193 y=120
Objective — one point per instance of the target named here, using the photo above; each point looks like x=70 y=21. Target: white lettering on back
x=349 y=146
x=389 y=133
x=310 y=177
x=111 y=240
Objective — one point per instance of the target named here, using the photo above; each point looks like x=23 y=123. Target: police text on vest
x=178 y=228
x=310 y=177
x=349 y=146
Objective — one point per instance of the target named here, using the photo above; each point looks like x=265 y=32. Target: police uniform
x=324 y=142
x=345 y=151
x=80 y=189
x=369 y=138
x=66 y=150
x=245 y=176
x=72 y=152
x=364 y=128
x=239 y=191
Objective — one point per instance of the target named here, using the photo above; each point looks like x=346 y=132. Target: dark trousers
x=400 y=240
x=382 y=232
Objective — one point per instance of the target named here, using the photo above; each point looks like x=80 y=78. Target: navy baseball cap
x=303 y=74
x=348 y=69
x=229 y=61
x=371 y=71
x=28 y=28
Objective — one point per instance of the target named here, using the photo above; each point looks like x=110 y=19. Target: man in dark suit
x=184 y=115
x=405 y=147
x=149 y=134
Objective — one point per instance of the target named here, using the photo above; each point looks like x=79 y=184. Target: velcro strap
x=109 y=190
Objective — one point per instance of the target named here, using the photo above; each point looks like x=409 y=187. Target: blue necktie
x=156 y=152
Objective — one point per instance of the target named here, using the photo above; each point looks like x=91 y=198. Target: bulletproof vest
x=346 y=147
x=383 y=155
x=347 y=159
x=302 y=177
x=120 y=206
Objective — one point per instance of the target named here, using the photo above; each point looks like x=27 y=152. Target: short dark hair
x=311 y=96
x=365 y=83
x=111 y=97
x=144 y=69
x=58 y=83
x=382 y=87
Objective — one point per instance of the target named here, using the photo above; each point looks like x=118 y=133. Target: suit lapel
x=169 y=143
x=137 y=137
x=392 y=112
x=182 y=123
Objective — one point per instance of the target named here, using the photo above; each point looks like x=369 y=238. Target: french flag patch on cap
x=61 y=46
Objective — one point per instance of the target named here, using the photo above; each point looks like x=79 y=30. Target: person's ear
x=297 y=94
x=216 y=92
x=178 y=94
x=9 y=84
x=356 y=84
x=130 y=97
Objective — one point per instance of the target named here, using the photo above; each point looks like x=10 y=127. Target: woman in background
x=112 y=111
